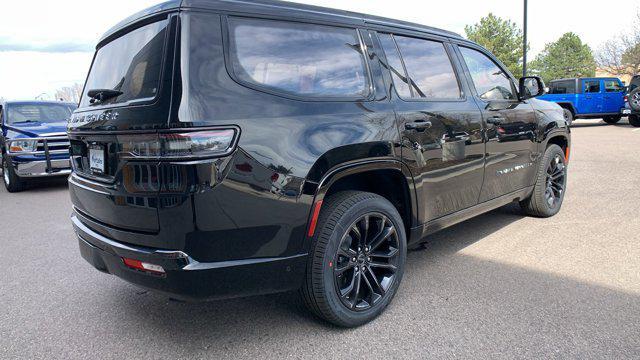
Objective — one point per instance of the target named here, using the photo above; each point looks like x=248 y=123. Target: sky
x=46 y=45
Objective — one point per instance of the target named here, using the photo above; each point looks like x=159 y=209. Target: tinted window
x=591 y=86
x=491 y=82
x=130 y=64
x=311 y=60
x=563 y=87
x=612 y=86
x=394 y=63
x=430 y=71
x=35 y=112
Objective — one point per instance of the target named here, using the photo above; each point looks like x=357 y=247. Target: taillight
x=179 y=145
x=626 y=98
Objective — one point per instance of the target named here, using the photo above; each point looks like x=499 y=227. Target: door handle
x=496 y=120
x=419 y=125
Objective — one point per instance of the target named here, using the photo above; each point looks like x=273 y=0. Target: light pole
x=524 y=46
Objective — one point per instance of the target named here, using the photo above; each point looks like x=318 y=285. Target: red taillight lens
x=143 y=266
x=179 y=145
x=626 y=98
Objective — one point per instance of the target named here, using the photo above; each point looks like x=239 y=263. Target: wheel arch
x=377 y=176
x=569 y=106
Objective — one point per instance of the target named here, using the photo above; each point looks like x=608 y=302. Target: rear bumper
x=185 y=278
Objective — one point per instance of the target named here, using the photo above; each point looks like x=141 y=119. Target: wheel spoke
x=348 y=253
x=358 y=286
x=386 y=255
x=346 y=291
x=384 y=235
x=365 y=230
x=375 y=264
x=340 y=270
x=375 y=281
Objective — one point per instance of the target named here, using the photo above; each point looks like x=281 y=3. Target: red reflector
x=139 y=265
x=314 y=218
x=567 y=152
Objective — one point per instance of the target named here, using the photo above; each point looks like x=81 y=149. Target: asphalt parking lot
x=497 y=286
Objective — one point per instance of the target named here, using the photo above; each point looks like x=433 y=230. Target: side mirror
x=531 y=86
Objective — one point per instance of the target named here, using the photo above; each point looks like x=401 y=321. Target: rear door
x=511 y=126
x=613 y=96
x=592 y=97
x=108 y=184
x=440 y=125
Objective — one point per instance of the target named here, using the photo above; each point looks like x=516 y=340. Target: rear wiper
x=102 y=94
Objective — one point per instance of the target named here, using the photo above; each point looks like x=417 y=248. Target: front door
x=592 y=98
x=440 y=127
x=511 y=126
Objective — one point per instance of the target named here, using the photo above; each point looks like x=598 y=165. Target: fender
x=361 y=166
x=569 y=105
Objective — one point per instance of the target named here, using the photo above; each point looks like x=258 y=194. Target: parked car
x=632 y=101
x=34 y=141
x=296 y=147
x=588 y=98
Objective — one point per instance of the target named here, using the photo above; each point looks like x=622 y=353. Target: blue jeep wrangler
x=33 y=141
x=588 y=98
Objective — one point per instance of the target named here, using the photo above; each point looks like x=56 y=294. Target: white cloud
x=55 y=27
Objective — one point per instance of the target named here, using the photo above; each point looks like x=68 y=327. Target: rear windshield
x=38 y=113
x=130 y=64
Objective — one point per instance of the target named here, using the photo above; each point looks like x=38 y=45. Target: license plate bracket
x=97 y=158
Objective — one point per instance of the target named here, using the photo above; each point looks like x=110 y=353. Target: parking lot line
x=634 y=130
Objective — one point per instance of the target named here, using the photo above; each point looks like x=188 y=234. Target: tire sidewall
x=371 y=205
x=568 y=116
x=631 y=94
x=549 y=155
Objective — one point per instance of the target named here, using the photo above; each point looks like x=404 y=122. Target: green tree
x=502 y=37
x=565 y=58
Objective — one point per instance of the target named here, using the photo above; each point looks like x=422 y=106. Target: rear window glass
x=130 y=64
x=38 y=113
x=301 y=59
x=613 y=86
x=563 y=87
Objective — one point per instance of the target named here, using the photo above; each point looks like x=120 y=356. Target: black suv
x=232 y=148
x=632 y=102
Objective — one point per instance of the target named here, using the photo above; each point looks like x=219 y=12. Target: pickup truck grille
x=56 y=144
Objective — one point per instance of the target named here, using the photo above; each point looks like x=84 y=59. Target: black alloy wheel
x=366 y=261
x=551 y=184
x=634 y=99
x=554 y=192
x=357 y=258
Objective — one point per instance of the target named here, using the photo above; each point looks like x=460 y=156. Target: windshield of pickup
x=37 y=113
x=129 y=66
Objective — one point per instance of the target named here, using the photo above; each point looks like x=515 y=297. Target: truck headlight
x=20 y=146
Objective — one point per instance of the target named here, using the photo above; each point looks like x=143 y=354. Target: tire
x=568 y=116
x=634 y=99
x=11 y=181
x=551 y=177
x=634 y=120
x=326 y=275
x=612 y=119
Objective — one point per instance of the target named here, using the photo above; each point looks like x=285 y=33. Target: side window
x=430 y=71
x=591 y=86
x=394 y=64
x=491 y=82
x=612 y=86
x=563 y=87
x=296 y=58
